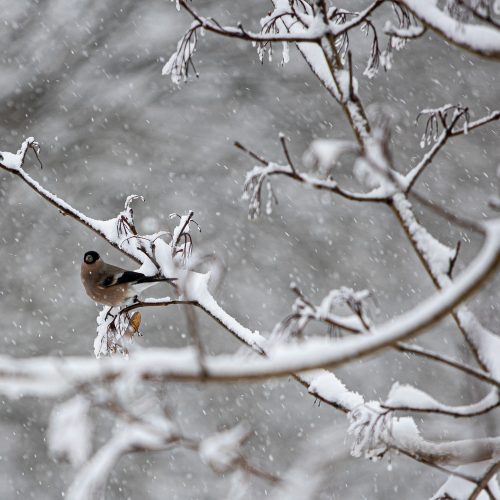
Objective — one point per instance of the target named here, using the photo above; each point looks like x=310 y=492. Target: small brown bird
x=111 y=285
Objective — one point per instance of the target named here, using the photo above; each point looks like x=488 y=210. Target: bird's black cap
x=91 y=257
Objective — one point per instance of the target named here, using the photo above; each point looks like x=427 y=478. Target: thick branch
x=481 y=40
x=316 y=353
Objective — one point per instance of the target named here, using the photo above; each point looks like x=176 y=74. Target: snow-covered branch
x=410 y=399
x=481 y=40
x=280 y=360
x=259 y=176
x=437 y=117
x=118 y=231
x=376 y=432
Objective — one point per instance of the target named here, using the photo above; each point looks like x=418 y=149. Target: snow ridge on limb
x=481 y=40
x=403 y=397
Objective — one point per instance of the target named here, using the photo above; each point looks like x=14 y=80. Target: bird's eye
x=89 y=259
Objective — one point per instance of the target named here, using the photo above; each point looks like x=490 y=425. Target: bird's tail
x=155 y=279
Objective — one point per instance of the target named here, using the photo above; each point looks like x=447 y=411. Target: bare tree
x=123 y=382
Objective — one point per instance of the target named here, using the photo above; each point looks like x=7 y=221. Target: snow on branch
x=410 y=399
x=446 y=117
x=117 y=326
x=376 y=432
x=154 y=435
x=260 y=175
x=295 y=21
x=70 y=431
x=25 y=376
x=304 y=311
x=179 y=63
x=467 y=482
x=479 y=39
x=119 y=231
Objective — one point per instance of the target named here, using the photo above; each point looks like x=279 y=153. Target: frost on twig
x=252 y=189
x=370 y=425
x=331 y=311
x=115 y=331
x=15 y=162
x=182 y=59
x=182 y=242
x=443 y=118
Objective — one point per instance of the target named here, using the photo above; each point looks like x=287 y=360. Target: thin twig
x=287 y=153
x=251 y=153
x=446 y=360
x=434 y=465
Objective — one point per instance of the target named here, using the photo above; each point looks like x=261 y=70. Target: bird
x=111 y=285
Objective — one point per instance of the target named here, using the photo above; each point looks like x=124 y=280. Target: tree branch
x=480 y=40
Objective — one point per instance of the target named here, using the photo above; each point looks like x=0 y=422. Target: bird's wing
x=121 y=278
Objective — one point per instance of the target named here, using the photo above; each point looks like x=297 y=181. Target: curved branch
x=481 y=40
x=410 y=399
x=182 y=364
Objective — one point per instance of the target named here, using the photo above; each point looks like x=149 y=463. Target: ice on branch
x=222 y=451
x=182 y=242
x=330 y=311
x=15 y=161
x=115 y=331
x=69 y=435
x=182 y=59
x=444 y=119
x=370 y=426
x=252 y=189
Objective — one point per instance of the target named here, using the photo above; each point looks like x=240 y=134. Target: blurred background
x=84 y=78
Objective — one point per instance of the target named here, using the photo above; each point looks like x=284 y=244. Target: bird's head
x=91 y=257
